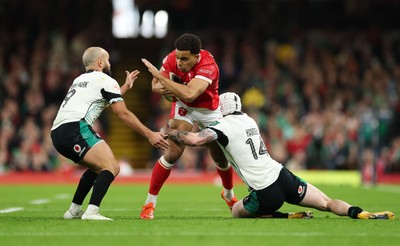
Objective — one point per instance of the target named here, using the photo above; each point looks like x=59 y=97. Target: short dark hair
x=188 y=41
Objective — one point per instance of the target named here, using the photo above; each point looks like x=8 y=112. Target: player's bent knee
x=166 y=164
x=235 y=212
x=238 y=211
x=115 y=168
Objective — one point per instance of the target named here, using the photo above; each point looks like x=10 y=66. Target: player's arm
x=190 y=138
x=130 y=78
x=187 y=93
x=159 y=88
x=155 y=138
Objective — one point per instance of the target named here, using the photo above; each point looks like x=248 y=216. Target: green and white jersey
x=240 y=139
x=87 y=97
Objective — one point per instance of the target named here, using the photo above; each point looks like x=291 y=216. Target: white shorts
x=202 y=116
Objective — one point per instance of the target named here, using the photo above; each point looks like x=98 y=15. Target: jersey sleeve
x=222 y=138
x=217 y=127
x=207 y=72
x=111 y=90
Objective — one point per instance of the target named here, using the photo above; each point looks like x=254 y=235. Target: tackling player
x=270 y=184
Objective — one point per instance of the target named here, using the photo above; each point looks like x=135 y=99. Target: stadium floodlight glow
x=125 y=19
x=127 y=22
x=147 y=27
x=161 y=24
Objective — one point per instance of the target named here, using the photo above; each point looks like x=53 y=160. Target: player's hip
x=74 y=139
x=202 y=116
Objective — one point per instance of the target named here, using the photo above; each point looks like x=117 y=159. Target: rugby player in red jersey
x=197 y=101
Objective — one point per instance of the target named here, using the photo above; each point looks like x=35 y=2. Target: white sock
x=75 y=208
x=92 y=209
x=151 y=198
x=228 y=194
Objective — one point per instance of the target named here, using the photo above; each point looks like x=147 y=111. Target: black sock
x=85 y=184
x=280 y=215
x=100 y=187
x=354 y=211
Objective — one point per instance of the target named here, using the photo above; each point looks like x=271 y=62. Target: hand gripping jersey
x=206 y=69
x=240 y=139
x=87 y=97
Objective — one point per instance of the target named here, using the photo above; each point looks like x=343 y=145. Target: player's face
x=185 y=60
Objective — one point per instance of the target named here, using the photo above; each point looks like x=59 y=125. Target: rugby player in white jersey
x=73 y=136
x=270 y=184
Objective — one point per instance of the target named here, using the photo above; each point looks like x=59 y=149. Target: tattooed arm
x=190 y=138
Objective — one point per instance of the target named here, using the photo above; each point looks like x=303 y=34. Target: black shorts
x=73 y=140
x=287 y=188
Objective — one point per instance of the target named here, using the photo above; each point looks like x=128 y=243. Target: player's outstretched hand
x=130 y=78
x=157 y=139
x=152 y=69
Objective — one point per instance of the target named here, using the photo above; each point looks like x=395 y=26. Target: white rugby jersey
x=240 y=139
x=87 y=97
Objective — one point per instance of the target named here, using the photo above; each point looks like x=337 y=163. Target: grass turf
x=188 y=215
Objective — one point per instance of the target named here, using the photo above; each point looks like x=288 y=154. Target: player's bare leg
x=103 y=168
x=315 y=198
x=162 y=169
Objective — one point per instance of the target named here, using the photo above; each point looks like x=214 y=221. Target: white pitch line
x=39 y=201
x=62 y=196
x=389 y=189
x=11 y=210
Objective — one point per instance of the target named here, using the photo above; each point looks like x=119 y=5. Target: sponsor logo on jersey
x=77 y=148
x=205 y=71
x=182 y=111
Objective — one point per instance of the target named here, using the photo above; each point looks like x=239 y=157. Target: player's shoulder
x=170 y=56
x=103 y=77
x=206 y=55
x=169 y=60
x=207 y=61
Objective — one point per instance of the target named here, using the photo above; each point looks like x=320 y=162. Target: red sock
x=226 y=177
x=158 y=177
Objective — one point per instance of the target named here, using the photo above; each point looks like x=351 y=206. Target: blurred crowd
x=40 y=55
x=323 y=98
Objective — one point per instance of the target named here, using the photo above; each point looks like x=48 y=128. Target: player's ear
x=100 y=63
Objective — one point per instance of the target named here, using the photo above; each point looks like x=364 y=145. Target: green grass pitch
x=188 y=215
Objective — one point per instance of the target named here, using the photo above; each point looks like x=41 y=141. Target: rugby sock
x=354 y=211
x=227 y=181
x=158 y=176
x=100 y=187
x=226 y=177
x=280 y=215
x=151 y=198
x=84 y=186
